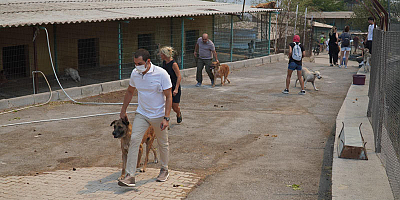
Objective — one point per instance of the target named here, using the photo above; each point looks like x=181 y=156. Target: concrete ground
x=244 y=140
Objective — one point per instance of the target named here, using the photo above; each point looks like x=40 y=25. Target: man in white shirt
x=154 y=106
x=370 y=34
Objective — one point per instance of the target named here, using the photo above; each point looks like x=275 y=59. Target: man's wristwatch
x=166 y=118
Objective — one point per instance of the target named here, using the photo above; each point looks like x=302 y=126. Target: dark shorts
x=369 y=45
x=294 y=66
x=177 y=97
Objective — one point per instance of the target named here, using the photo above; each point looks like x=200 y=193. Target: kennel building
x=98 y=37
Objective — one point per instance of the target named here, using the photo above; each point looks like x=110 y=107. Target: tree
x=359 y=20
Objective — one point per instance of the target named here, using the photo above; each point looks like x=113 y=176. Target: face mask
x=141 y=68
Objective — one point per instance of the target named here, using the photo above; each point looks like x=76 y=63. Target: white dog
x=73 y=73
x=309 y=77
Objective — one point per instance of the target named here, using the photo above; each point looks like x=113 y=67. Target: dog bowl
x=359 y=79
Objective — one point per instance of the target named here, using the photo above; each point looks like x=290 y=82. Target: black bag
x=346 y=40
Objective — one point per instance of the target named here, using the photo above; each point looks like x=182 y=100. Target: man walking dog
x=206 y=50
x=155 y=101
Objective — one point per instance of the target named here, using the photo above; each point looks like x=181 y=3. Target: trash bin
x=359 y=79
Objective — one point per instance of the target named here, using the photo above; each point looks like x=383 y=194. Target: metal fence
x=384 y=103
x=104 y=51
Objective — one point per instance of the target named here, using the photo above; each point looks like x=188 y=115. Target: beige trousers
x=139 y=127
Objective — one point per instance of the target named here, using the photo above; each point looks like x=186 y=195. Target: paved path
x=95 y=183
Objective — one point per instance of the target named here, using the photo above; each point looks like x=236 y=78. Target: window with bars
x=146 y=41
x=15 y=61
x=88 y=53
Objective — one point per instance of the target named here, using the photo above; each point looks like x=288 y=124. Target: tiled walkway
x=96 y=183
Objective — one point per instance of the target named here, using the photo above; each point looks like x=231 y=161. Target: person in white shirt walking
x=370 y=33
x=154 y=106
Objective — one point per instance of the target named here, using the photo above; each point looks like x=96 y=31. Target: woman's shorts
x=177 y=97
x=346 y=49
x=294 y=66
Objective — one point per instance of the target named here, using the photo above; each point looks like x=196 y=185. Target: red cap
x=296 y=38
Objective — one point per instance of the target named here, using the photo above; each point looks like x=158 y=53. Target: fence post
x=269 y=34
x=231 y=57
x=55 y=46
x=182 y=40
x=119 y=51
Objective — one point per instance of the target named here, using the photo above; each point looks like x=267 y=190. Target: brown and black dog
x=123 y=130
x=220 y=71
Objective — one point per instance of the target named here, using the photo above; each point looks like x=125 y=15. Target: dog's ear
x=112 y=123
x=125 y=121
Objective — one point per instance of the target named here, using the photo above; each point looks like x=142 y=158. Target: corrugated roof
x=331 y=15
x=38 y=12
x=321 y=25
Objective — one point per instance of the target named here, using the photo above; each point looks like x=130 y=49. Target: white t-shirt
x=370 y=32
x=150 y=87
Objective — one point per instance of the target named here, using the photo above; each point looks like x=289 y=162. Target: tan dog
x=270 y=5
x=220 y=71
x=123 y=130
x=309 y=76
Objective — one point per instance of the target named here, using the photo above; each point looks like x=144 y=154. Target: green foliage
x=359 y=19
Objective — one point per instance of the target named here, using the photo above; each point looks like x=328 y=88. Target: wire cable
x=58 y=81
x=60 y=119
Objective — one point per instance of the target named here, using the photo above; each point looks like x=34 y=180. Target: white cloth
x=150 y=87
x=370 y=32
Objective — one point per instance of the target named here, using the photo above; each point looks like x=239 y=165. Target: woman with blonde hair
x=333 y=46
x=170 y=65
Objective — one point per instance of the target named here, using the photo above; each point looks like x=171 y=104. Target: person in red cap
x=296 y=54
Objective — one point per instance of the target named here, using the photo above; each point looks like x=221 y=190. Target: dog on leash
x=73 y=73
x=309 y=76
x=123 y=130
x=220 y=71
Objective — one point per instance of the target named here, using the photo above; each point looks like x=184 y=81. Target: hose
x=58 y=81
x=37 y=105
x=66 y=118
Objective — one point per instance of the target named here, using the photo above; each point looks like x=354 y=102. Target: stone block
x=124 y=83
x=3 y=104
x=274 y=58
x=75 y=92
x=188 y=72
x=266 y=59
x=43 y=97
x=111 y=86
x=21 y=101
x=91 y=90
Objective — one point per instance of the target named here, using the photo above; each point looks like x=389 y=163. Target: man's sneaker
x=285 y=91
x=163 y=176
x=179 y=119
x=345 y=66
x=128 y=181
x=302 y=92
x=331 y=65
x=340 y=66
x=198 y=84
x=212 y=82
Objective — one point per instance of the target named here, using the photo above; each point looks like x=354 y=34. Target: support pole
x=172 y=32
x=182 y=40
x=269 y=34
x=295 y=21
x=231 y=45
x=35 y=76
x=305 y=26
x=276 y=34
x=119 y=51
x=55 y=47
